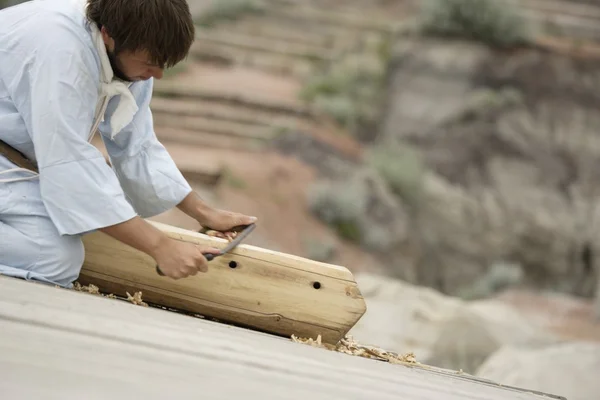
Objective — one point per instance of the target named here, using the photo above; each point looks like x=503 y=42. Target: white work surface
x=62 y=344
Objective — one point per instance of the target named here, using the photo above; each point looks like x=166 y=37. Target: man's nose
x=156 y=73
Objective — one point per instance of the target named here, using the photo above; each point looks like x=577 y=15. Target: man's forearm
x=138 y=234
x=194 y=206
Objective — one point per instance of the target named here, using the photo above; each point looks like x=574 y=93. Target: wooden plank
x=74 y=345
x=268 y=291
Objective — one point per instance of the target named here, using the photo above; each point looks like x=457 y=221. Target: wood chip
x=136 y=299
x=92 y=289
x=348 y=346
x=223 y=235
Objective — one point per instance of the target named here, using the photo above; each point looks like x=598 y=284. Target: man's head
x=143 y=37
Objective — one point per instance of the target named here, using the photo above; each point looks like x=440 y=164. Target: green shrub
x=402 y=168
x=361 y=208
x=490 y=21
x=319 y=249
x=228 y=10
x=350 y=90
x=340 y=206
x=499 y=277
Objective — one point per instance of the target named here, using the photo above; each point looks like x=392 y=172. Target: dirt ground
x=272 y=187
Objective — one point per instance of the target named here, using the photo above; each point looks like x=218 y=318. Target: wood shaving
x=223 y=235
x=92 y=289
x=136 y=299
x=348 y=346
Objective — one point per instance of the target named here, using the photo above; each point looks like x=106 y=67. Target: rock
x=566 y=316
x=457 y=236
x=565 y=369
x=328 y=160
x=442 y=331
x=430 y=82
x=597 y=302
x=401 y=317
x=511 y=156
x=477 y=330
x=518 y=190
x=361 y=208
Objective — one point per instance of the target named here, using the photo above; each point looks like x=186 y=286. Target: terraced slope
x=240 y=86
x=224 y=113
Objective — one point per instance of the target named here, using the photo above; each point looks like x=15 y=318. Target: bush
x=361 y=209
x=499 y=277
x=228 y=10
x=351 y=89
x=402 y=168
x=340 y=206
x=490 y=21
x=319 y=249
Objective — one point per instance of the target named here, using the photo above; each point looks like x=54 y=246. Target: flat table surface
x=63 y=344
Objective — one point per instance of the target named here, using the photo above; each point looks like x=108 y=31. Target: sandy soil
x=273 y=188
x=572 y=318
x=240 y=80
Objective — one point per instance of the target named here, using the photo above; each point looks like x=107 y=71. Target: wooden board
x=252 y=287
x=63 y=344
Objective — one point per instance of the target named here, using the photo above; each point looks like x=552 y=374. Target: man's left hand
x=224 y=221
x=213 y=218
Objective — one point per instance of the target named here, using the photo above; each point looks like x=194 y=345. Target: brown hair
x=163 y=28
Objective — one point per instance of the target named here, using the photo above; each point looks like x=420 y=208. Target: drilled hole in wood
x=232 y=264
x=317 y=285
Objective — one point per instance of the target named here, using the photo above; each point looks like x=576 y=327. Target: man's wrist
x=195 y=207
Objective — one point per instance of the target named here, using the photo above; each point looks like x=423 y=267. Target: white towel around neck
x=110 y=86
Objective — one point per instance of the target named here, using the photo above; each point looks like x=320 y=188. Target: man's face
x=133 y=67
x=130 y=66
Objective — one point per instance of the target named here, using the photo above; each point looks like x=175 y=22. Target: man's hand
x=223 y=221
x=213 y=218
x=180 y=259
x=174 y=258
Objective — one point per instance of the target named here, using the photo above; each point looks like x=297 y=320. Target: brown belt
x=16 y=157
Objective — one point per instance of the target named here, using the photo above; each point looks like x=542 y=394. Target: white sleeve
x=149 y=176
x=56 y=95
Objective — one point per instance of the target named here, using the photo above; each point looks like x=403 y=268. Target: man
x=69 y=69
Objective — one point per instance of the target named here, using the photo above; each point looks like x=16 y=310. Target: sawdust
x=230 y=236
x=349 y=346
x=93 y=289
x=136 y=299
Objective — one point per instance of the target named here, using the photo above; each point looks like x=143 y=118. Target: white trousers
x=30 y=246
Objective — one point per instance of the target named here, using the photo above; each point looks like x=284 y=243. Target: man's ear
x=108 y=41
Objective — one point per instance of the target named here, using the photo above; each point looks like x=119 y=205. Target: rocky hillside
x=481 y=171
x=244 y=120
x=361 y=136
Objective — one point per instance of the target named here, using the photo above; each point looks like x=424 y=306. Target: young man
x=70 y=69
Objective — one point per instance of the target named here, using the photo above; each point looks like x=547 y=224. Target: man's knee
x=39 y=252
x=64 y=260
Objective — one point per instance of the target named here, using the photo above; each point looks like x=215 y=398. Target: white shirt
x=50 y=88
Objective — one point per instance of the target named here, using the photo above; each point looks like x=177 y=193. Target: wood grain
x=252 y=287
x=63 y=344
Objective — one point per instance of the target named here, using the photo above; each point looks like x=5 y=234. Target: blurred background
x=447 y=152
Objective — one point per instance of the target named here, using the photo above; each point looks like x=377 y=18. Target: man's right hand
x=174 y=258
x=179 y=259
